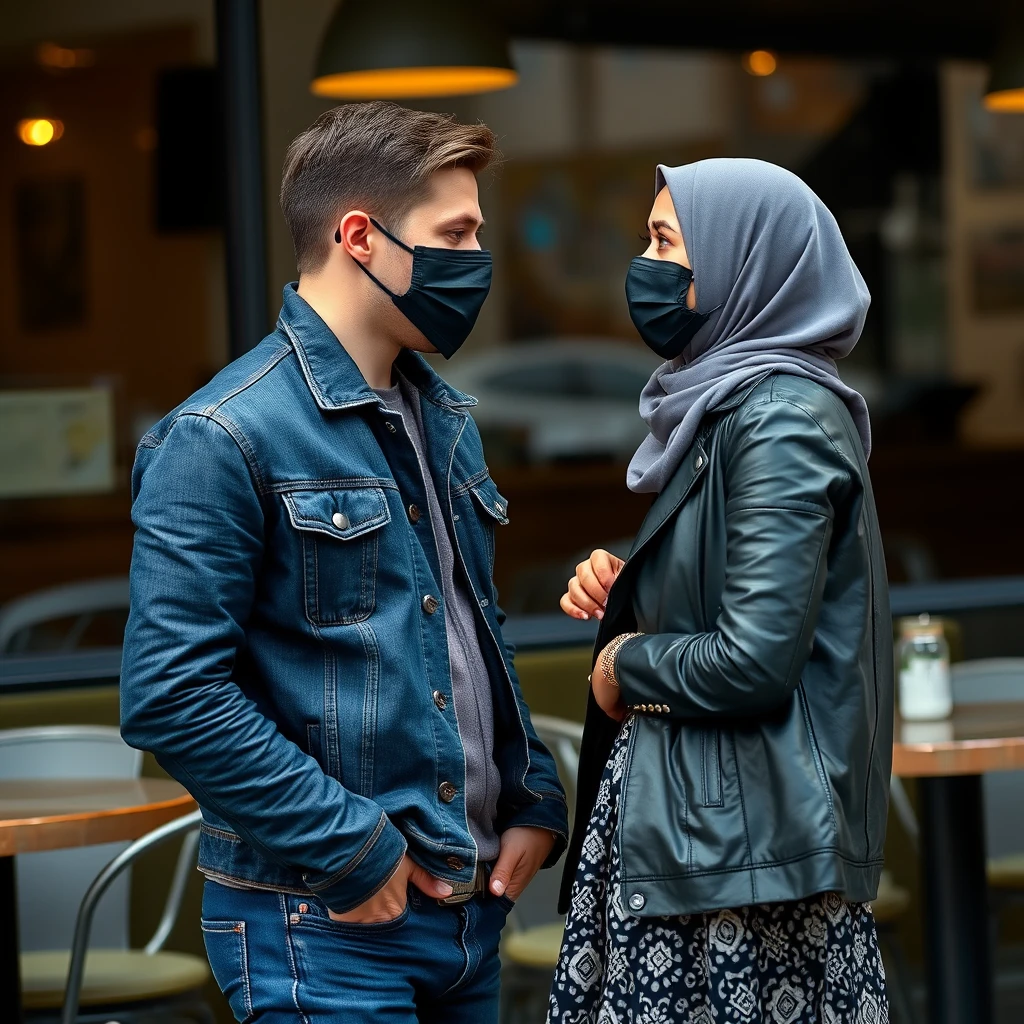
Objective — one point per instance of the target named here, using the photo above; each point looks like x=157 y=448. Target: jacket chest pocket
x=493 y=509
x=340 y=535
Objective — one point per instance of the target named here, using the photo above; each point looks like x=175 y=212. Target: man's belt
x=464 y=893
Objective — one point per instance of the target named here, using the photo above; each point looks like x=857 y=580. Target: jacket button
x=431 y=604
x=447 y=792
x=392 y=429
x=636 y=901
x=455 y=863
x=440 y=700
x=340 y=520
x=414 y=514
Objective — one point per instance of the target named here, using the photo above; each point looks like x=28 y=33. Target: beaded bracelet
x=611 y=653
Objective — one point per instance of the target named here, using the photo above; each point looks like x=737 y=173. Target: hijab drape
x=768 y=253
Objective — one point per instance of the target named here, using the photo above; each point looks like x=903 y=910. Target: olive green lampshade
x=401 y=49
x=1005 y=92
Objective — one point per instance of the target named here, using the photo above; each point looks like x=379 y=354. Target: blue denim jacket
x=282 y=655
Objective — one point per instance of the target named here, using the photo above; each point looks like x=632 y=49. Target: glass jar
x=922 y=660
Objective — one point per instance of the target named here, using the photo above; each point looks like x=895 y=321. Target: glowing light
x=40 y=131
x=50 y=55
x=1006 y=101
x=760 y=63
x=405 y=83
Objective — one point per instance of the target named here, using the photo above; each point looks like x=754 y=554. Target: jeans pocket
x=505 y=903
x=314 y=913
x=229 y=960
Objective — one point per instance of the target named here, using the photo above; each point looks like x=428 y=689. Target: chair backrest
x=82 y=600
x=51 y=884
x=993 y=681
x=563 y=739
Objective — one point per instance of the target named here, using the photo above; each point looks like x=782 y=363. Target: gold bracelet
x=611 y=653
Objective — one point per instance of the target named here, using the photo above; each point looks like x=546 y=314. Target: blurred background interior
x=140 y=151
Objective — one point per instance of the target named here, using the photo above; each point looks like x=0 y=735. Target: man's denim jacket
x=286 y=654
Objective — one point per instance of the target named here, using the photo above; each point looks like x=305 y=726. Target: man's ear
x=355 y=234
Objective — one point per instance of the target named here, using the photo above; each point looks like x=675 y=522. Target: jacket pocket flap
x=342 y=514
x=491 y=501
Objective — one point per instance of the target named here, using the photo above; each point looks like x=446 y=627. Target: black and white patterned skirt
x=811 y=962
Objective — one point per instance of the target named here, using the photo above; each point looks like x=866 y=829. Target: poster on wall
x=56 y=441
x=49 y=218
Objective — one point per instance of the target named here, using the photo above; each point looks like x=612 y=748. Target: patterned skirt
x=810 y=962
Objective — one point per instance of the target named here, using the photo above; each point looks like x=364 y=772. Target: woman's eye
x=663 y=243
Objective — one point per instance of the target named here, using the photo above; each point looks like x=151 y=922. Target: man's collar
x=332 y=375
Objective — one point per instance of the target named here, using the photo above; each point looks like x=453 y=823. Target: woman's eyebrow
x=663 y=225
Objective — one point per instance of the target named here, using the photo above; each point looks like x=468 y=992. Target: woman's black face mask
x=447 y=291
x=656 y=294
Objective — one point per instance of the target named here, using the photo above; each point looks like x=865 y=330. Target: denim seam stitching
x=290 y=952
x=354 y=862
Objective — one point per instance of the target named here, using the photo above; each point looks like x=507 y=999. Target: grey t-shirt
x=471 y=688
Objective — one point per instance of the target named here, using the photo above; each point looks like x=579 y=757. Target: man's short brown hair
x=373 y=156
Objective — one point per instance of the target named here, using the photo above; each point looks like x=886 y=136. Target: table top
x=54 y=814
x=978 y=738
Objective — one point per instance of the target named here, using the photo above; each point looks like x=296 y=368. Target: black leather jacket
x=758 y=768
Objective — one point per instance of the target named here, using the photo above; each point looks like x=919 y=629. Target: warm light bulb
x=1006 y=101
x=39 y=131
x=760 y=63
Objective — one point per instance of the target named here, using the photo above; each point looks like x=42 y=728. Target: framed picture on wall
x=996 y=146
x=997 y=270
x=49 y=218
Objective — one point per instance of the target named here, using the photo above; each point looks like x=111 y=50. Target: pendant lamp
x=1005 y=92
x=401 y=49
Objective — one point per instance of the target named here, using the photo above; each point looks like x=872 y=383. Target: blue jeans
x=279 y=959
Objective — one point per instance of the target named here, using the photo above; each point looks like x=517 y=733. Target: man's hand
x=523 y=850
x=588 y=589
x=389 y=903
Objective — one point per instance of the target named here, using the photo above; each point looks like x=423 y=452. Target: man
x=314 y=648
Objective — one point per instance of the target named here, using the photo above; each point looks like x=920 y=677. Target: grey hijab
x=769 y=259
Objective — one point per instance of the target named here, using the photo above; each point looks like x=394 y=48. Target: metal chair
x=52 y=885
x=530 y=953
x=83 y=601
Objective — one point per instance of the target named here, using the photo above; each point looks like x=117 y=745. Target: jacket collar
x=330 y=372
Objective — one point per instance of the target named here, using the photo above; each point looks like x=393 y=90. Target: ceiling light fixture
x=402 y=49
x=760 y=63
x=40 y=131
x=1005 y=92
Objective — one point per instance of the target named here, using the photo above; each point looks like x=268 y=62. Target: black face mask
x=448 y=289
x=656 y=294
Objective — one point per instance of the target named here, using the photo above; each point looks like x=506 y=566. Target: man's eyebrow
x=462 y=220
x=663 y=225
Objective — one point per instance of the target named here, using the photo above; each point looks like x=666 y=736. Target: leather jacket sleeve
x=784 y=478
x=198 y=547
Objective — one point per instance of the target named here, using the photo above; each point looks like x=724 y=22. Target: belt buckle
x=479 y=884
x=456 y=898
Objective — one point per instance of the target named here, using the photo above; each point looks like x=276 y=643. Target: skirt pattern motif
x=815 y=961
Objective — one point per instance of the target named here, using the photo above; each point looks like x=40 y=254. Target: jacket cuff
x=551 y=815
x=366 y=874
x=640 y=684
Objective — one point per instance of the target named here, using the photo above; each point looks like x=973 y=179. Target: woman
x=734 y=774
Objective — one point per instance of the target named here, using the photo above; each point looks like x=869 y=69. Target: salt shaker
x=926 y=691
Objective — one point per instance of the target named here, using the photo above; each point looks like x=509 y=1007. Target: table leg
x=10 y=975
x=959 y=965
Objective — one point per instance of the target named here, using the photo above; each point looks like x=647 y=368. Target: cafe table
x=55 y=814
x=948 y=759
